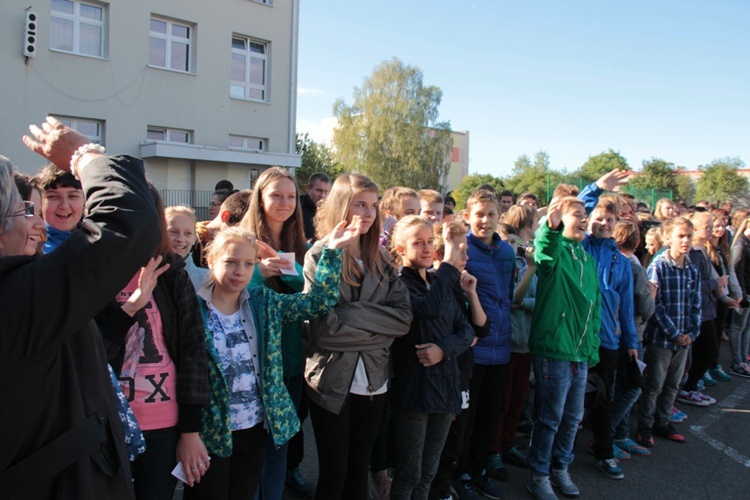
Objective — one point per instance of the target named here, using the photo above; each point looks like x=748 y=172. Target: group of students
x=407 y=331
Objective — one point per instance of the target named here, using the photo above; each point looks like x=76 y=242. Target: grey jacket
x=362 y=324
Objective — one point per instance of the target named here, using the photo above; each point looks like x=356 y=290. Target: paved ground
x=713 y=463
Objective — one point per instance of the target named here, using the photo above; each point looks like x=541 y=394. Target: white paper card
x=290 y=257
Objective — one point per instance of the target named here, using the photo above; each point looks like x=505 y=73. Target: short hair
x=430 y=196
x=611 y=198
x=521 y=216
x=51 y=177
x=481 y=196
x=506 y=230
x=627 y=196
x=674 y=222
x=738 y=216
x=488 y=187
x=391 y=200
x=224 y=184
x=606 y=206
x=565 y=190
x=568 y=201
x=506 y=193
x=456 y=228
x=217 y=245
x=170 y=212
x=26 y=185
x=449 y=198
x=8 y=193
x=237 y=205
x=318 y=176
x=223 y=194
x=526 y=196
x=447 y=211
x=626 y=235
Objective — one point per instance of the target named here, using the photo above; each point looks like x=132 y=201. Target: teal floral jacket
x=269 y=311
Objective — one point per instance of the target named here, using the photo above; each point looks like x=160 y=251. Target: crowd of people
x=141 y=345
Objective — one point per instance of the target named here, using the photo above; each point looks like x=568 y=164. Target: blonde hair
x=659 y=205
x=569 y=201
x=700 y=218
x=521 y=216
x=430 y=196
x=172 y=211
x=674 y=222
x=335 y=208
x=455 y=230
x=390 y=204
x=403 y=228
x=218 y=246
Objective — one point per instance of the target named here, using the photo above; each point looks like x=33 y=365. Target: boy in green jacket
x=564 y=341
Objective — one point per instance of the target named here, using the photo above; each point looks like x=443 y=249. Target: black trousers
x=601 y=413
x=705 y=352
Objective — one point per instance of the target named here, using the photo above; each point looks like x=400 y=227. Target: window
x=93 y=129
x=77 y=27
x=249 y=69
x=169 y=135
x=170 y=45
x=243 y=142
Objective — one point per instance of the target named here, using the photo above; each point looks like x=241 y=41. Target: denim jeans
x=739 y=336
x=559 y=393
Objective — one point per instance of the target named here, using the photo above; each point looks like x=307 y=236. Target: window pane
x=91 y=12
x=238 y=43
x=179 y=56
x=62 y=34
x=237 y=91
x=157 y=54
x=257 y=48
x=65 y=121
x=238 y=68
x=158 y=26
x=235 y=142
x=63 y=6
x=177 y=136
x=257 y=71
x=89 y=129
x=90 y=41
x=180 y=31
x=155 y=135
x=255 y=94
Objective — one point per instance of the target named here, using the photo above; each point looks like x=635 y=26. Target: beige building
x=459 y=160
x=202 y=91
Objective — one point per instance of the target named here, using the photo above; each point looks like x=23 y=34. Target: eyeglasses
x=26 y=211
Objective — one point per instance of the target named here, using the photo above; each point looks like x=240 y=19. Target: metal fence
x=197 y=200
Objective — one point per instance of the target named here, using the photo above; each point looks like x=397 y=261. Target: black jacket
x=60 y=435
x=438 y=319
x=184 y=335
x=308 y=215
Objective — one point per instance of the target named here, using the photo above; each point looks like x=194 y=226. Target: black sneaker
x=515 y=457
x=644 y=437
x=464 y=490
x=295 y=481
x=487 y=487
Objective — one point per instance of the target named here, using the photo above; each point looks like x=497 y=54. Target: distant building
x=202 y=91
x=459 y=160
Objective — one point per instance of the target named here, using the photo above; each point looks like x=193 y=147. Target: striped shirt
x=678 y=302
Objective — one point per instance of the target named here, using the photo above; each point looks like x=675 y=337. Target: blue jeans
x=559 y=393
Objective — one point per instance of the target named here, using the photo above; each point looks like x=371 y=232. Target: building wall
x=459 y=160
x=129 y=95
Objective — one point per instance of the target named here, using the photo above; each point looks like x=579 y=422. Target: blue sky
x=665 y=79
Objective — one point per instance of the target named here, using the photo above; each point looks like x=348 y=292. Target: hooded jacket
x=493 y=265
x=567 y=314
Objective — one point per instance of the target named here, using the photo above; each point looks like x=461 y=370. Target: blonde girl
x=347 y=350
x=181 y=231
x=249 y=403
x=665 y=209
x=427 y=379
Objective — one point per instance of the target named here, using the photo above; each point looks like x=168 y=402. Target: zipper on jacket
x=586 y=328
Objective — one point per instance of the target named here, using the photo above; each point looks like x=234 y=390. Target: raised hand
x=146 y=284
x=343 y=234
x=468 y=283
x=554 y=214
x=613 y=179
x=56 y=142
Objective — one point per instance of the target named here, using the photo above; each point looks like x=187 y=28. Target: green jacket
x=567 y=314
x=269 y=310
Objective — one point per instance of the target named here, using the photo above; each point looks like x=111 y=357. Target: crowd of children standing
x=408 y=330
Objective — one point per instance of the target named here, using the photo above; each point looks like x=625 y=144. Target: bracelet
x=86 y=148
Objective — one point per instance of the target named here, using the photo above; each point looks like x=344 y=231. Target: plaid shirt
x=678 y=302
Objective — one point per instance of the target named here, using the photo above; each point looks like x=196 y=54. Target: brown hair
x=674 y=222
x=390 y=204
x=659 y=205
x=481 y=196
x=430 y=196
x=565 y=190
x=455 y=228
x=626 y=235
x=51 y=177
x=521 y=216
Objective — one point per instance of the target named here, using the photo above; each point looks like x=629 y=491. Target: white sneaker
x=541 y=488
x=560 y=478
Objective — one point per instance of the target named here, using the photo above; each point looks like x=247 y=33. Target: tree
x=530 y=177
x=685 y=189
x=316 y=157
x=721 y=181
x=471 y=183
x=656 y=174
x=598 y=165
x=391 y=133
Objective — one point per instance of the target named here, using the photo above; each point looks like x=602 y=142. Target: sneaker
x=619 y=453
x=541 y=488
x=708 y=380
x=560 y=479
x=464 y=489
x=487 y=487
x=700 y=386
x=740 y=370
x=609 y=467
x=515 y=457
x=296 y=482
x=631 y=447
x=669 y=432
x=495 y=467
x=718 y=373
x=707 y=398
x=677 y=416
x=644 y=437
x=691 y=398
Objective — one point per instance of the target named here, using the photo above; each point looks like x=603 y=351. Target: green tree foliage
x=656 y=174
x=471 y=183
x=598 y=165
x=721 y=181
x=316 y=157
x=685 y=189
x=528 y=177
x=391 y=133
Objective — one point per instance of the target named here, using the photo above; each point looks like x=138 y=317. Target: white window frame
x=248 y=143
x=248 y=54
x=77 y=21
x=77 y=124
x=169 y=38
x=167 y=133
